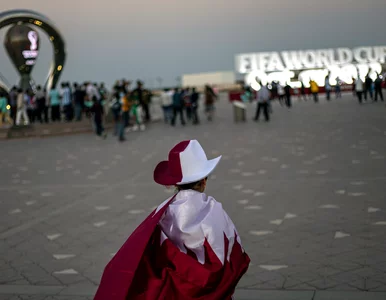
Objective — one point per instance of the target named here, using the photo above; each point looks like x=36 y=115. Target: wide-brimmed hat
x=187 y=163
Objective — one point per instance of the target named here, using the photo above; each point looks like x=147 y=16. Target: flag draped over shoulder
x=188 y=249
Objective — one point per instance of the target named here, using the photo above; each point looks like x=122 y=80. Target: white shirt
x=359 y=85
x=92 y=91
x=166 y=99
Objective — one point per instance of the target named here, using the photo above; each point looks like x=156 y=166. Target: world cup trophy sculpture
x=22 y=44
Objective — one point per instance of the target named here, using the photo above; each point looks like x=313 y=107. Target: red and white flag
x=188 y=248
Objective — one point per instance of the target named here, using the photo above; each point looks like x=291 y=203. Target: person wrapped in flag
x=188 y=248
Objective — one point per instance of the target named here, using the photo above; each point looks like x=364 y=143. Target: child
x=188 y=248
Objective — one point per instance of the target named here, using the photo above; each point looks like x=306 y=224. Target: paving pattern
x=306 y=191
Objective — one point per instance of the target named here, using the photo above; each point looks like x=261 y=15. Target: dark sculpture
x=28 y=17
x=22 y=44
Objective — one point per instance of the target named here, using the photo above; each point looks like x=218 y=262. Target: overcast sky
x=110 y=39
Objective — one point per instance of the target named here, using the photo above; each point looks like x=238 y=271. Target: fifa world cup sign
x=22 y=45
x=341 y=63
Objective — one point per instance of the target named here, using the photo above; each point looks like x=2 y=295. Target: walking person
x=98 y=113
x=210 y=98
x=378 y=88
x=21 y=108
x=327 y=87
x=187 y=248
x=194 y=97
x=287 y=90
x=54 y=99
x=359 y=89
x=314 y=90
x=119 y=126
x=303 y=92
x=263 y=97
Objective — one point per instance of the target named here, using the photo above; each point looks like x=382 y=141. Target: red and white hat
x=187 y=163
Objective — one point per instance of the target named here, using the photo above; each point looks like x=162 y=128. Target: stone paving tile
x=282 y=172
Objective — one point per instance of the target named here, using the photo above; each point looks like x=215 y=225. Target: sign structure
x=22 y=45
x=341 y=64
x=31 y=54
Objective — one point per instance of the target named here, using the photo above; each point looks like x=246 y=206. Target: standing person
x=103 y=91
x=177 y=107
x=40 y=103
x=359 y=89
x=327 y=87
x=119 y=126
x=378 y=88
x=263 y=97
x=187 y=248
x=78 y=96
x=140 y=94
x=167 y=105
x=287 y=90
x=338 y=92
x=314 y=90
x=187 y=103
x=281 y=92
x=4 y=114
x=13 y=103
x=97 y=111
x=194 y=97
x=21 y=108
x=353 y=87
x=136 y=109
x=54 y=98
x=274 y=93
x=368 y=86
x=30 y=100
x=67 y=102
x=126 y=103
x=92 y=91
x=210 y=98
x=46 y=106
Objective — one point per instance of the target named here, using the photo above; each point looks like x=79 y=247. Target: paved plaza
x=307 y=192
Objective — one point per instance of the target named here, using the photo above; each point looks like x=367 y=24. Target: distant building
x=220 y=79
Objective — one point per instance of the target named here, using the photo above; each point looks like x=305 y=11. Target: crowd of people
x=179 y=102
x=368 y=88
x=68 y=103
x=129 y=107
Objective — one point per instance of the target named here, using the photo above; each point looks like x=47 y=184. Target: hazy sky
x=110 y=39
